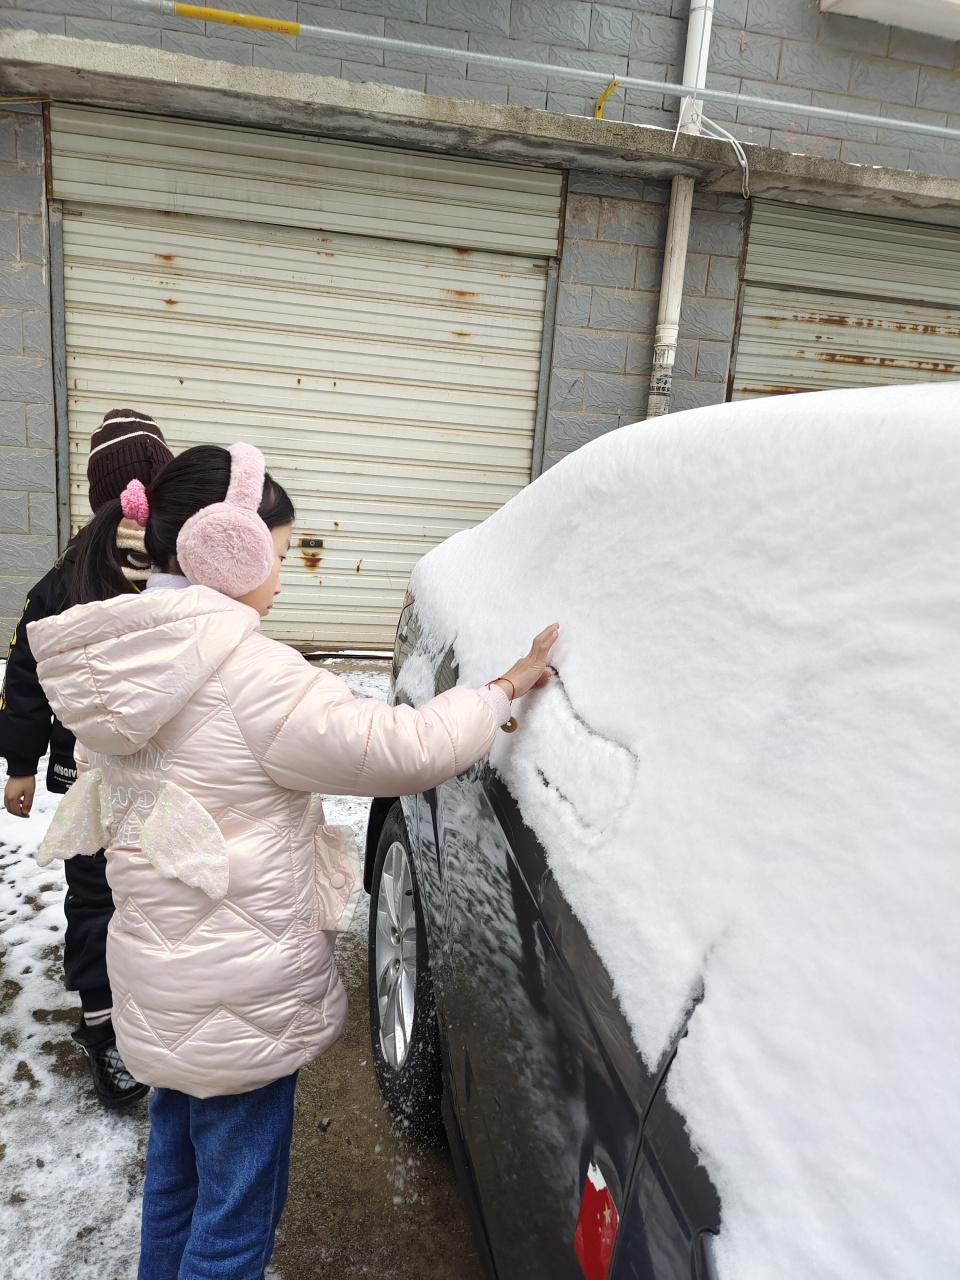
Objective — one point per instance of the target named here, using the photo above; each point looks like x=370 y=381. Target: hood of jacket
x=116 y=671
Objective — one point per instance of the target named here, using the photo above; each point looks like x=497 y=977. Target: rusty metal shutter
x=391 y=383
x=845 y=300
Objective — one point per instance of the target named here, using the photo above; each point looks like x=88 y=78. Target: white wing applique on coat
x=81 y=822
x=338 y=878
x=184 y=843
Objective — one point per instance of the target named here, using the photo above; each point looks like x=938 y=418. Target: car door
x=672 y=1210
x=550 y=1089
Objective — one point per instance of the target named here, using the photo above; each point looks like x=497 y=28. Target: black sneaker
x=114 y=1084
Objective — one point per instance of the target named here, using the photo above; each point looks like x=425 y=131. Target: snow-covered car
x=676 y=962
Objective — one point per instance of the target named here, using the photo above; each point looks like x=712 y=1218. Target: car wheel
x=403 y=1023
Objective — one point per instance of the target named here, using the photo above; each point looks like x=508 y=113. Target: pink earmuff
x=227 y=546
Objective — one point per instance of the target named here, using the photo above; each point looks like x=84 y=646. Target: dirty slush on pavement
x=365 y=1197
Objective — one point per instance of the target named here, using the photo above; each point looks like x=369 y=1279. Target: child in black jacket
x=127 y=445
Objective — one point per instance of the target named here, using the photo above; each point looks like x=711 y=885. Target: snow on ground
x=71 y=1173
x=746 y=772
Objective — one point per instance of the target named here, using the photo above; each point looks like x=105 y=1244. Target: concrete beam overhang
x=138 y=78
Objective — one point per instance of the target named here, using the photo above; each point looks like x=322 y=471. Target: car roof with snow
x=745 y=776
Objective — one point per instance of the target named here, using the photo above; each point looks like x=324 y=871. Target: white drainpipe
x=678 y=223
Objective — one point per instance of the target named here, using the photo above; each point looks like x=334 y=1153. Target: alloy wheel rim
x=395 y=956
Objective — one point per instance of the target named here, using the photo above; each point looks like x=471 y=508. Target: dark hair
x=196 y=478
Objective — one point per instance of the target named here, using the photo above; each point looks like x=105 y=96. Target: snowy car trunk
x=745 y=776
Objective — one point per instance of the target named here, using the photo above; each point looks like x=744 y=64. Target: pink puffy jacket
x=216 y=995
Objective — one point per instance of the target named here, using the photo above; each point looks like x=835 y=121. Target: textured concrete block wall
x=788 y=49
x=28 y=508
x=782 y=49
x=607 y=306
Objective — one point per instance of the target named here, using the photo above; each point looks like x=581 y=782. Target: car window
x=448 y=672
x=408 y=633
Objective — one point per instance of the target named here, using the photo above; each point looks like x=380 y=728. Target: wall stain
x=867 y=322
x=781 y=391
x=886 y=362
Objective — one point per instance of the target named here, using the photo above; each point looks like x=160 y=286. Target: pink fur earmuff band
x=133 y=502
x=227 y=546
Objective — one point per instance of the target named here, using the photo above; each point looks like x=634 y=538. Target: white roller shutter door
x=152 y=162
x=390 y=380
x=845 y=300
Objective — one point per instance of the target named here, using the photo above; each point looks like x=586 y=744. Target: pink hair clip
x=134 y=503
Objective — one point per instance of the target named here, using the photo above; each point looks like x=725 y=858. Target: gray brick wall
x=783 y=49
x=28 y=516
x=610 y=275
x=607 y=306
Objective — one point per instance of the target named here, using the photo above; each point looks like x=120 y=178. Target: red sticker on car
x=596 y=1226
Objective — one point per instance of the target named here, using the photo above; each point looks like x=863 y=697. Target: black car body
x=571 y=1157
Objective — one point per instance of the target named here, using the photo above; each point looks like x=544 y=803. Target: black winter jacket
x=27 y=725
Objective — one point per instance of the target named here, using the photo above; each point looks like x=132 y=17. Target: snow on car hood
x=747 y=772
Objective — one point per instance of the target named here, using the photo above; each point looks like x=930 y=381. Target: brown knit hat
x=126 y=446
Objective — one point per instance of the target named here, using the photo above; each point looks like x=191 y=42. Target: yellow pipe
x=203 y=14
x=597 y=106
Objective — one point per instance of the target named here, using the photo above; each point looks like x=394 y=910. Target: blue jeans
x=216 y=1183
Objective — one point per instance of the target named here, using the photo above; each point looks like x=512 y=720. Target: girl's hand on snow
x=18 y=796
x=530 y=672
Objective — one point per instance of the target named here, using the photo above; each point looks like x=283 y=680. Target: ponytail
x=97 y=574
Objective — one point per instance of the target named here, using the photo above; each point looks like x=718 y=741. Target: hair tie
x=134 y=504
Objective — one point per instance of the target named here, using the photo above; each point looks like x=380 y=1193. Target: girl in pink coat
x=202 y=747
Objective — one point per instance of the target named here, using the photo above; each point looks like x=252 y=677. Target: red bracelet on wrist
x=513 y=687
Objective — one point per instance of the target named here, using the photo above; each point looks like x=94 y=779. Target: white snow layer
x=70 y=1176
x=747 y=771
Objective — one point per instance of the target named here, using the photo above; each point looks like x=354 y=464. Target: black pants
x=88 y=907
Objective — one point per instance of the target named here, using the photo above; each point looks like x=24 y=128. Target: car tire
x=404 y=1035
